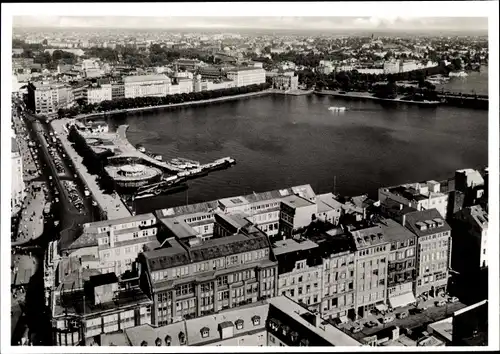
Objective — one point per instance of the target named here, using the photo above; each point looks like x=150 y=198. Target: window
x=205 y=332
x=256 y=320
x=300 y=279
x=300 y=290
x=239 y=324
x=222 y=280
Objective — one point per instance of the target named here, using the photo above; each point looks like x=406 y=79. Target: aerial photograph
x=250 y=181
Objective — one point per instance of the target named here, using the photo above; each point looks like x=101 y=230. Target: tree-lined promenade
x=141 y=103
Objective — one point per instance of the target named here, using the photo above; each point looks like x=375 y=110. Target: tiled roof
x=369 y=236
x=150 y=334
x=394 y=231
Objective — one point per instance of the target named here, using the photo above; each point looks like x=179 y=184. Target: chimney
x=403 y=221
x=400 y=206
x=111 y=237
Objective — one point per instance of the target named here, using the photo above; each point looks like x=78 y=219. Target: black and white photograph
x=250 y=175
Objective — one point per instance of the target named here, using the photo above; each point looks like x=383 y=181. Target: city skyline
x=396 y=23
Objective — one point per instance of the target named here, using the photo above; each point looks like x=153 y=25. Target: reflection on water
x=280 y=141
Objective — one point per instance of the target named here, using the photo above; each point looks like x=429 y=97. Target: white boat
x=458 y=74
x=184 y=163
x=337 y=109
x=158 y=157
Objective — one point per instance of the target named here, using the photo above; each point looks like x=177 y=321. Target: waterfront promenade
x=366 y=95
x=110 y=204
x=173 y=105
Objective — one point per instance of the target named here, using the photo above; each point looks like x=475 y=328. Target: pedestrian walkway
x=30 y=168
x=31 y=221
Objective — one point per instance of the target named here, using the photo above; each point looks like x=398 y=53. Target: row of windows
x=371 y=285
x=199 y=218
x=432 y=246
x=129 y=225
x=372 y=262
x=265 y=206
x=434 y=236
x=434 y=256
x=433 y=267
x=375 y=296
x=339 y=262
x=373 y=250
x=338 y=288
x=402 y=244
x=402 y=254
x=340 y=301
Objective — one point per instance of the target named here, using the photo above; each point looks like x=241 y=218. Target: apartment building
x=470 y=239
x=46 y=98
x=402 y=271
x=188 y=277
x=433 y=250
x=372 y=253
x=146 y=86
x=339 y=273
x=112 y=246
x=247 y=76
x=117 y=90
x=82 y=310
x=17 y=189
x=290 y=324
x=296 y=213
x=286 y=82
x=300 y=271
x=329 y=208
x=98 y=93
x=421 y=196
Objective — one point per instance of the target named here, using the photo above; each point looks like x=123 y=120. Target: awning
x=343 y=319
x=402 y=300
x=381 y=307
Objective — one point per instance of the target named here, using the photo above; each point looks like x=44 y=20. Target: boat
x=337 y=109
x=184 y=163
x=140 y=148
x=158 y=157
x=458 y=74
x=158 y=189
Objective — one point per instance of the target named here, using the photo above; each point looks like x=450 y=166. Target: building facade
x=146 y=86
x=46 y=98
x=402 y=271
x=433 y=250
x=247 y=76
x=97 y=94
x=296 y=213
x=17 y=191
x=286 y=82
x=372 y=253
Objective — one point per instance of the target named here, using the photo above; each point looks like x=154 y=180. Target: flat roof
x=290 y=245
x=179 y=227
x=145 y=78
x=443 y=328
x=296 y=201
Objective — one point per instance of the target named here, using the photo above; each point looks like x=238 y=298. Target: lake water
x=282 y=141
x=475 y=82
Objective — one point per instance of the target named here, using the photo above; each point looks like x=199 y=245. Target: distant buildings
x=17 y=191
x=146 y=86
x=247 y=76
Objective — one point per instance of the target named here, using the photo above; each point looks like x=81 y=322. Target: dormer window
x=158 y=342
x=304 y=342
x=294 y=336
x=285 y=330
x=168 y=340
x=205 y=332
x=239 y=324
x=256 y=320
x=182 y=338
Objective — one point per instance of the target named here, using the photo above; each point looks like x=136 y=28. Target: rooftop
x=145 y=78
x=179 y=227
x=395 y=232
x=290 y=245
x=93 y=226
x=444 y=328
x=149 y=334
x=14 y=146
x=249 y=68
x=431 y=220
x=295 y=201
x=369 y=236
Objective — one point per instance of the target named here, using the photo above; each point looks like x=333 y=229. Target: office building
x=296 y=213
x=421 y=196
x=117 y=90
x=433 y=250
x=98 y=93
x=112 y=246
x=247 y=76
x=84 y=307
x=146 y=86
x=372 y=254
x=300 y=271
x=17 y=191
x=46 y=98
x=188 y=277
x=402 y=271
x=285 y=82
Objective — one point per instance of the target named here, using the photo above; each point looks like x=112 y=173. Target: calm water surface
x=282 y=141
x=475 y=82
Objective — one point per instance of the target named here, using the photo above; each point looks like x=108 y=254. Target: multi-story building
x=401 y=272
x=188 y=64
x=117 y=90
x=433 y=250
x=189 y=277
x=181 y=85
x=300 y=271
x=329 y=208
x=289 y=325
x=17 y=191
x=247 y=76
x=471 y=183
x=83 y=310
x=470 y=239
x=421 y=196
x=339 y=273
x=286 y=82
x=98 y=93
x=296 y=213
x=112 y=246
x=372 y=253
x=146 y=86
x=46 y=98
x=80 y=91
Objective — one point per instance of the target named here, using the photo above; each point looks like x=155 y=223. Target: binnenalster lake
x=282 y=141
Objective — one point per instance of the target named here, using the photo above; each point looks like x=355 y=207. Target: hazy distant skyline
x=261 y=22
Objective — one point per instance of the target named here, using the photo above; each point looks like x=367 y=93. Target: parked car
x=371 y=324
x=356 y=329
x=453 y=299
x=388 y=319
x=440 y=303
x=401 y=315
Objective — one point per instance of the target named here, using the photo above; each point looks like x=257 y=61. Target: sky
x=262 y=22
